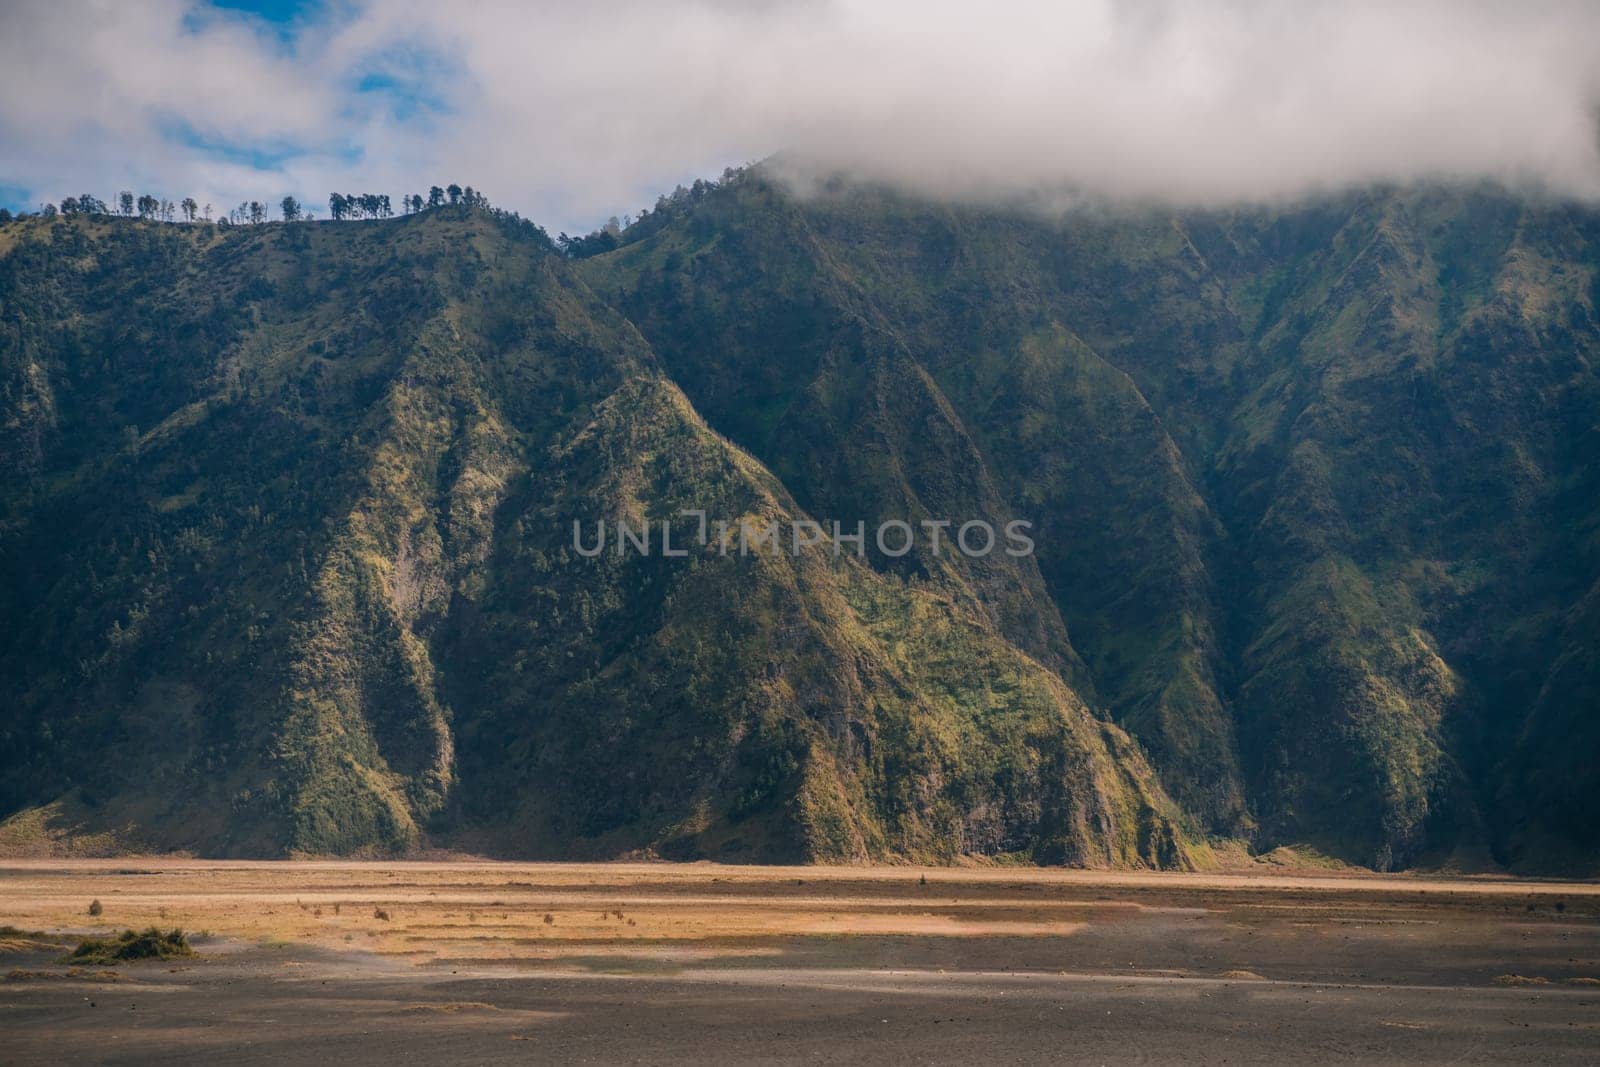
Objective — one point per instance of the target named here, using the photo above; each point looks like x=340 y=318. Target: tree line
x=341 y=206
x=352 y=206
x=378 y=205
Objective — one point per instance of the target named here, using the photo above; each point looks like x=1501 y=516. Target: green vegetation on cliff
x=286 y=532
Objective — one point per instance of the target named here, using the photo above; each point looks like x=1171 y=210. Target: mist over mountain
x=567 y=112
x=1314 y=488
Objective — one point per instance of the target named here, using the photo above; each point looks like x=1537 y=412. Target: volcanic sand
x=483 y=961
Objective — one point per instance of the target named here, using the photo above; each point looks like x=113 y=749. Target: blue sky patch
x=271 y=10
x=411 y=81
x=15 y=198
x=258 y=155
x=283 y=19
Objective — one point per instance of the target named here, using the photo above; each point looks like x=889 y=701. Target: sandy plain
x=483 y=962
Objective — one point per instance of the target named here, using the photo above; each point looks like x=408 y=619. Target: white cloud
x=572 y=112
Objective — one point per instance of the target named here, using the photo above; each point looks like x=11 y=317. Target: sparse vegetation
x=131 y=946
x=14 y=940
x=19 y=974
x=286 y=527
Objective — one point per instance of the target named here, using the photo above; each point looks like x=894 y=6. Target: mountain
x=1314 y=490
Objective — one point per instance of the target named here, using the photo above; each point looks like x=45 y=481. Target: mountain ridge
x=290 y=565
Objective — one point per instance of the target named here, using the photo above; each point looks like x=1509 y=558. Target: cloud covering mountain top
x=572 y=112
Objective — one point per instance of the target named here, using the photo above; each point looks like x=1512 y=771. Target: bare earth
x=357 y=963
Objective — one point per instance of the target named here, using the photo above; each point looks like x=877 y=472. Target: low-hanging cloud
x=573 y=112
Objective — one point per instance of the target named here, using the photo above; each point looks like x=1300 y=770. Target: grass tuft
x=149 y=944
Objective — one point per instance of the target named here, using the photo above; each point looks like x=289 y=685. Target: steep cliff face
x=1313 y=486
x=293 y=570
x=287 y=533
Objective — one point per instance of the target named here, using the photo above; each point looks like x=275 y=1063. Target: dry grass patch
x=454 y=1006
x=78 y=973
x=130 y=945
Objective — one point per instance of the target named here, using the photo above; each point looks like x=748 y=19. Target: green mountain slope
x=287 y=533
x=299 y=551
x=1313 y=485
